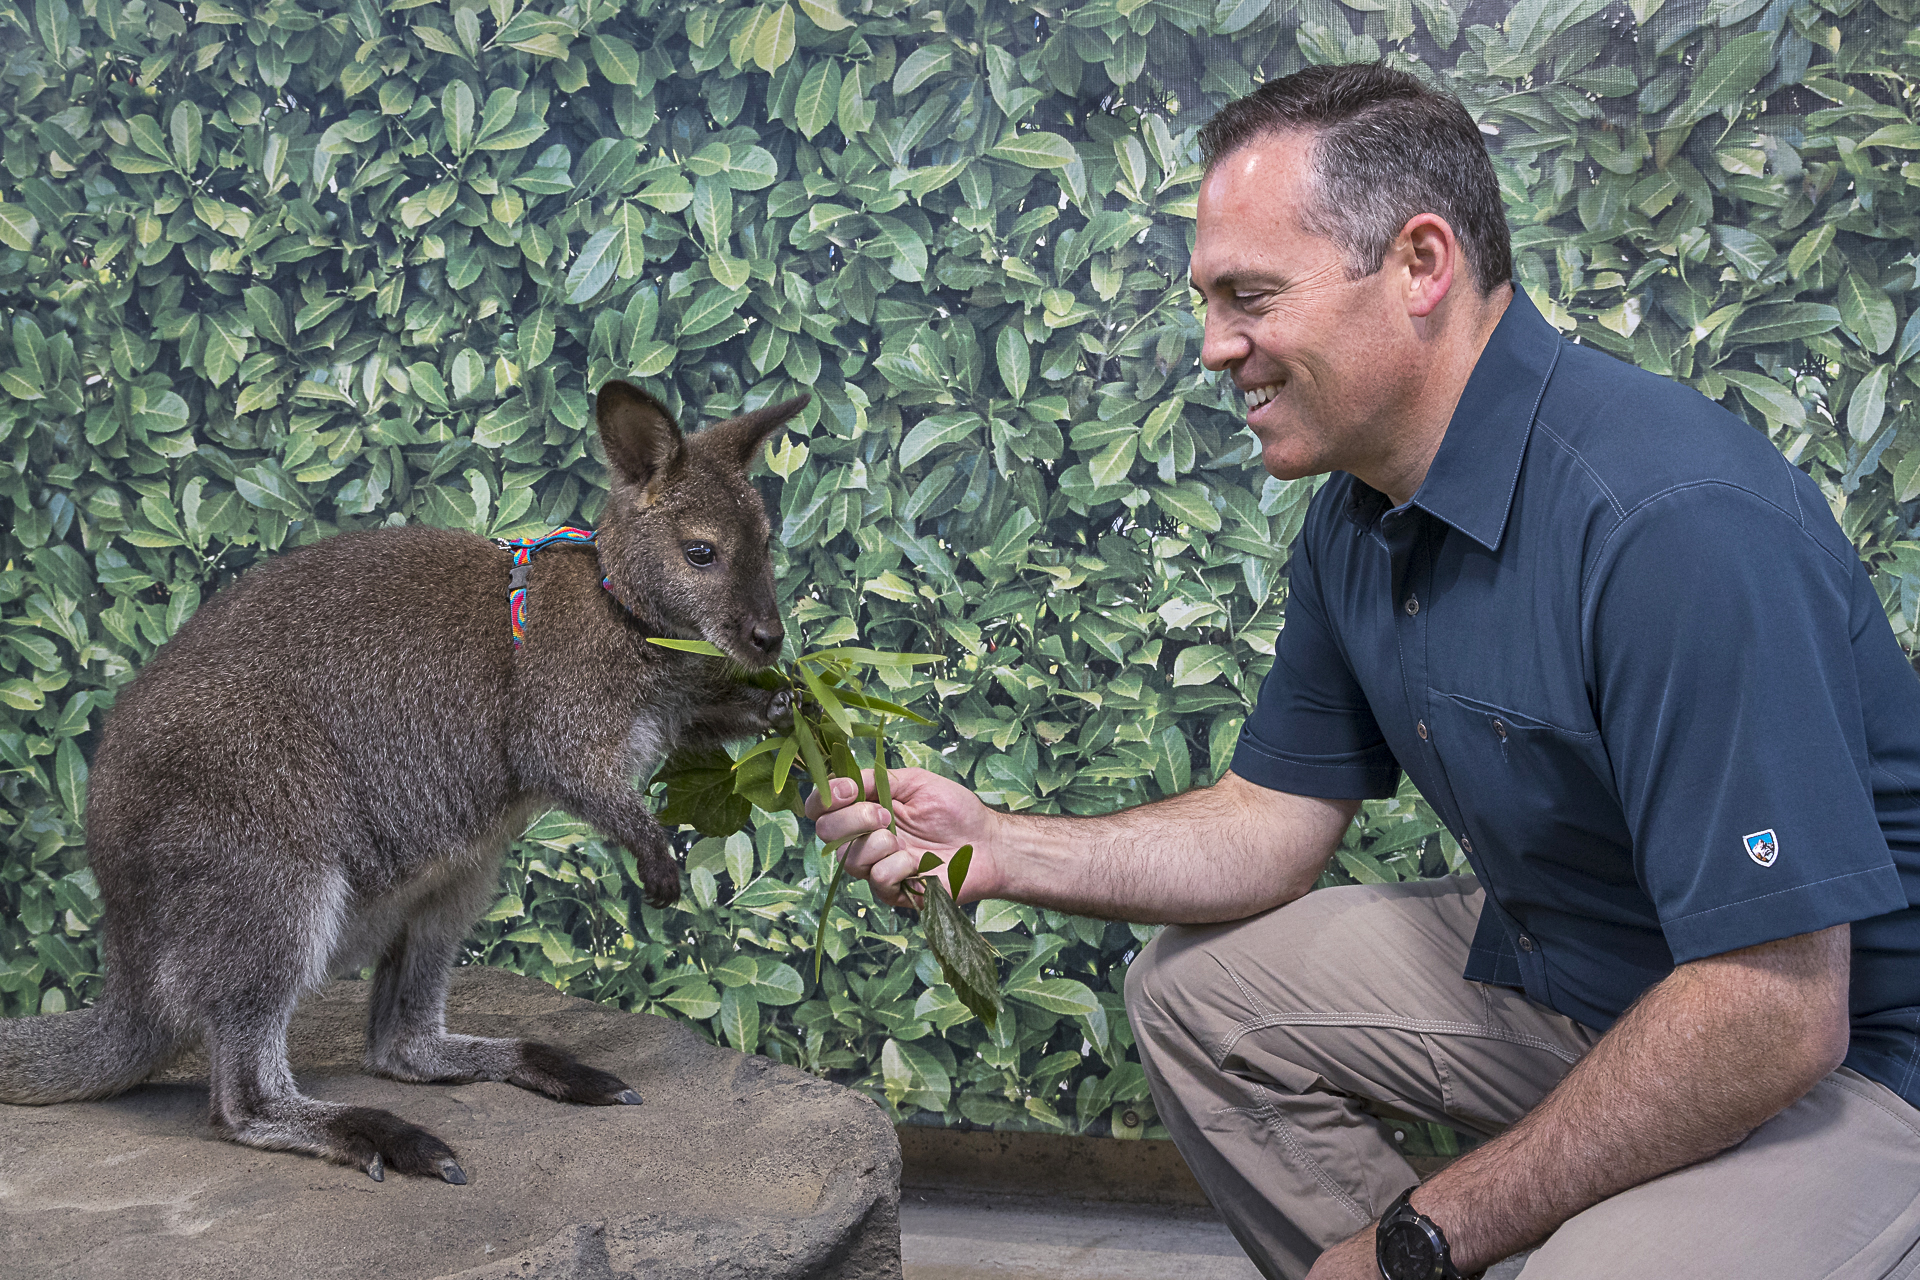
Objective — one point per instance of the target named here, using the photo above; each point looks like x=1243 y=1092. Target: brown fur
x=324 y=766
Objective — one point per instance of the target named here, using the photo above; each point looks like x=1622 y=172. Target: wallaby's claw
x=376 y=1168
x=629 y=1098
x=453 y=1173
x=664 y=895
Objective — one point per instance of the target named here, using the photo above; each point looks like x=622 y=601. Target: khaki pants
x=1274 y=1044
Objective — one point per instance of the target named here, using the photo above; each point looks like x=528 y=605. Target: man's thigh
x=1357 y=991
x=1829 y=1189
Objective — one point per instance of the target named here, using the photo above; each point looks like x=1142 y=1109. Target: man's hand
x=935 y=814
x=1354 y=1258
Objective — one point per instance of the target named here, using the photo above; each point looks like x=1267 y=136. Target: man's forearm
x=1704 y=1058
x=1218 y=853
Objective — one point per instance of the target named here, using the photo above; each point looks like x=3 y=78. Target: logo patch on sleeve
x=1763 y=847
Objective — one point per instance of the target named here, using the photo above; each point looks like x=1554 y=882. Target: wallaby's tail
x=70 y=1057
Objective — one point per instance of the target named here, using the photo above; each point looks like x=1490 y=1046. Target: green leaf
x=594 y=267
x=966 y=960
x=1111 y=464
x=1188 y=502
x=828 y=700
x=269 y=315
x=184 y=125
x=22 y=695
x=1055 y=995
x=711 y=306
x=697 y=1000
x=1014 y=361
x=1776 y=402
x=618 y=61
x=1037 y=150
x=700 y=793
x=1868 y=404
x=740 y=1019
x=933 y=432
x=1903 y=135
x=456 y=111
x=920 y=66
x=824 y=14
x=70 y=772
x=1728 y=76
x=1781 y=322
x=688 y=646
x=773 y=41
x=819 y=98
x=1201 y=664
x=1868 y=313
x=18 y=228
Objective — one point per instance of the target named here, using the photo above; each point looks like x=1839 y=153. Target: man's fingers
x=843 y=792
x=889 y=870
x=854 y=820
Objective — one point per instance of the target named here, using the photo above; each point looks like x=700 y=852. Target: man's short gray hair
x=1385 y=148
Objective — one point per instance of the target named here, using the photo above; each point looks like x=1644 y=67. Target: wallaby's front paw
x=659 y=873
x=780 y=711
x=545 y=1069
x=375 y=1141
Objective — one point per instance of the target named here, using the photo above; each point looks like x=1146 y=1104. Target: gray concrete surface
x=734 y=1167
x=958 y=1235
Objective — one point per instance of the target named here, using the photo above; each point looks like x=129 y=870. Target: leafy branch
x=830 y=709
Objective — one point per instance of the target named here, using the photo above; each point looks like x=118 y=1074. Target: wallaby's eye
x=699 y=554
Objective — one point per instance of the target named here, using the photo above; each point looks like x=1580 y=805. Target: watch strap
x=1402 y=1210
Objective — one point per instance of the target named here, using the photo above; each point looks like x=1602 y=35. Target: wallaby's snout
x=763 y=636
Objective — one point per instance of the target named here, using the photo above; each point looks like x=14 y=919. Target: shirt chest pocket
x=1531 y=789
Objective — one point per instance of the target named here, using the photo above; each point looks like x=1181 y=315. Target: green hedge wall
x=274 y=270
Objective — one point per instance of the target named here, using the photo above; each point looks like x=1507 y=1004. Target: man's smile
x=1257 y=396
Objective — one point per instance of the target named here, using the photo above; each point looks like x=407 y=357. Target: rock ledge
x=735 y=1167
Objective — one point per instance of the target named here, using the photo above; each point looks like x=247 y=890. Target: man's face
x=1321 y=361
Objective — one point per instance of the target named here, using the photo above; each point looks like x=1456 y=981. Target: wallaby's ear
x=641 y=438
x=739 y=439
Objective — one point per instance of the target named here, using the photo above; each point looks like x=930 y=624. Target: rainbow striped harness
x=523 y=549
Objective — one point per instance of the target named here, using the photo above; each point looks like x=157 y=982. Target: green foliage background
x=273 y=270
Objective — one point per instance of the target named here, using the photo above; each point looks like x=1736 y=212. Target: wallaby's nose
x=765 y=635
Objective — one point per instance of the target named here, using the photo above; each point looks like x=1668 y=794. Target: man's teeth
x=1260 y=395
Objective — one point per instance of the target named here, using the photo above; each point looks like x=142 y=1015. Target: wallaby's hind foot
x=377 y=1140
x=364 y=1138
x=559 y=1075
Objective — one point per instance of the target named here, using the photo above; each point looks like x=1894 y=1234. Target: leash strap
x=523 y=549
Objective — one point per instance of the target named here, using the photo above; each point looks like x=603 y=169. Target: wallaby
x=324 y=766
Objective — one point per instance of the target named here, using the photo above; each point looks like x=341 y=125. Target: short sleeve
x=1722 y=633
x=1312 y=732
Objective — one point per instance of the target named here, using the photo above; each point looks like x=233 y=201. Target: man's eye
x=699 y=554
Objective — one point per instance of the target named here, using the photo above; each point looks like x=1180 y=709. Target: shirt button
x=1500 y=727
x=1413 y=605
x=1466 y=845
x=1526 y=943
x=1421 y=729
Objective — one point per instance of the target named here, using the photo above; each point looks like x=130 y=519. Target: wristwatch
x=1409 y=1246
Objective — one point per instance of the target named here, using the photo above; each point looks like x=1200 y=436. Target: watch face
x=1407 y=1252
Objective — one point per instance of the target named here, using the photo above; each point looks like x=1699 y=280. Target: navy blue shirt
x=1622 y=647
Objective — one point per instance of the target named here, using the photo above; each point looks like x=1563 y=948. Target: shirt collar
x=1471 y=481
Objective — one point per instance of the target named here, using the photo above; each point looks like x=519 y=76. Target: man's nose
x=1221 y=347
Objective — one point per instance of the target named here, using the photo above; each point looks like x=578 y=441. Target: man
x=1622 y=647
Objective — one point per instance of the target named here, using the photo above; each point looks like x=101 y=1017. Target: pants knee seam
x=1424 y=1026
x=1278 y=1123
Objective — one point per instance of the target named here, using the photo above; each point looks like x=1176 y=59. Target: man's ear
x=1433 y=259
x=641 y=438
x=739 y=439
